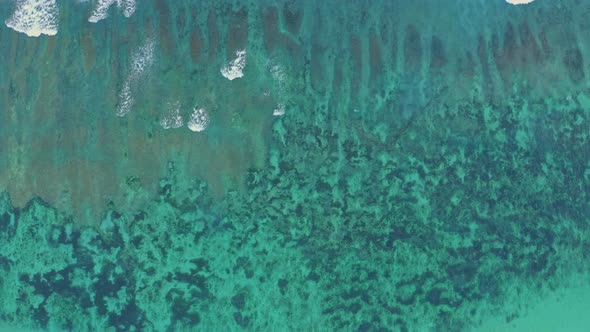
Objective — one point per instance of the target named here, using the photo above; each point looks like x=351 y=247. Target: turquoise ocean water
x=177 y=165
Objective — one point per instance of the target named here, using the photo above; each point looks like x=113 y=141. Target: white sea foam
x=142 y=59
x=280 y=110
x=172 y=119
x=199 y=120
x=34 y=17
x=234 y=69
x=127 y=6
x=101 y=9
x=519 y=2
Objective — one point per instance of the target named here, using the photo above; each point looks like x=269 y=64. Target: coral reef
x=413 y=180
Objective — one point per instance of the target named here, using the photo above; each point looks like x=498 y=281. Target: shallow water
x=367 y=165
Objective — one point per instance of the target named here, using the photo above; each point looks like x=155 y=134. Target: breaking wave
x=199 y=120
x=280 y=110
x=34 y=17
x=40 y=17
x=234 y=69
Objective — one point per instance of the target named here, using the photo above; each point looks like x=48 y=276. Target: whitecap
x=280 y=110
x=234 y=68
x=199 y=120
x=172 y=119
x=35 y=17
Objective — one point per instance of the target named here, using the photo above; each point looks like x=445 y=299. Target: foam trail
x=173 y=119
x=142 y=59
x=126 y=100
x=101 y=9
x=279 y=76
x=128 y=7
x=35 y=17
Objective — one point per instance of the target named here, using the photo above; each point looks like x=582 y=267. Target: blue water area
x=294 y=165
